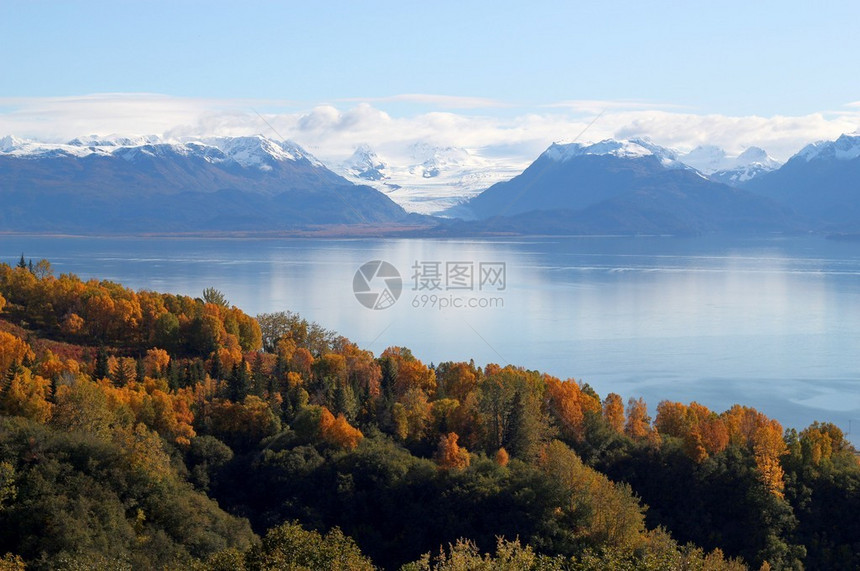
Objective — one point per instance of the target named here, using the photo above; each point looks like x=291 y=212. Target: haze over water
x=770 y=323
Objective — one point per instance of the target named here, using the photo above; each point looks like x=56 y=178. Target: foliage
x=87 y=497
x=288 y=546
x=125 y=416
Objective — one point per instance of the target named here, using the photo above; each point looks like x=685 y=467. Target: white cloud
x=332 y=132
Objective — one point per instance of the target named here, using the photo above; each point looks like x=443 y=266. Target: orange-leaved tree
x=337 y=431
x=450 y=455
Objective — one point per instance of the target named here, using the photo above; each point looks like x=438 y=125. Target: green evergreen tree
x=239 y=382
x=258 y=377
x=345 y=402
x=527 y=430
x=212 y=295
x=101 y=369
x=217 y=371
x=141 y=370
x=123 y=373
x=174 y=374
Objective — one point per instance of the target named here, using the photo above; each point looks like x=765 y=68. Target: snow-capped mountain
x=365 y=165
x=256 y=151
x=427 y=179
x=147 y=184
x=707 y=159
x=845 y=148
x=629 y=186
x=632 y=148
x=822 y=182
x=751 y=163
x=719 y=166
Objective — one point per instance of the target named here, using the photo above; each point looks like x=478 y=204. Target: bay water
x=772 y=323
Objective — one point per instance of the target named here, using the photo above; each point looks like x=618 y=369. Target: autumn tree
x=13 y=350
x=337 y=431
x=638 y=424
x=820 y=442
x=25 y=394
x=768 y=448
x=456 y=380
x=302 y=361
x=365 y=374
x=613 y=412
x=412 y=415
x=449 y=455
x=569 y=404
x=408 y=372
x=85 y=406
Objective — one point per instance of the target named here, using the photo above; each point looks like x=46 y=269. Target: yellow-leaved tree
x=26 y=394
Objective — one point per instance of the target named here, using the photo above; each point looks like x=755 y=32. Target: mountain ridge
x=227 y=183
x=623 y=187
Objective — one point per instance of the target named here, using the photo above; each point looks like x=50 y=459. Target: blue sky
x=500 y=60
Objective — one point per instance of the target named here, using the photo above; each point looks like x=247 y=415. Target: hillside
x=124 y=414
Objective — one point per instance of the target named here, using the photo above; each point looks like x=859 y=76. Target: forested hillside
x=144 y=430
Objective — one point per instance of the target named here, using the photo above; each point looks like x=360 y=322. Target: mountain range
x=622 y=187
x=431 y=179
x=145 y=184
x=717 y=165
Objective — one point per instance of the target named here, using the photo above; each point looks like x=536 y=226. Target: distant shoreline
x=844 y=237
x=338 y=232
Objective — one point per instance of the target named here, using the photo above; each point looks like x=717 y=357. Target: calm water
x=773 y=323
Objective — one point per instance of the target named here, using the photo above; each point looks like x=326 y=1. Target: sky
x=501 y=78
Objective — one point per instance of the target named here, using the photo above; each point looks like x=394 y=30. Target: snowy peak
x=10 y=142
x=707 y=159
x=845 y=148
x=114 y=141
x=751 y=163
x=433 y=161
x=719 y=166
x=756 y=156
x=255 y=152
x=365 y=165
x=630 y=149
x=260 y=152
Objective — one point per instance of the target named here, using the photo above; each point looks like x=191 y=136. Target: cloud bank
x=489 y=128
